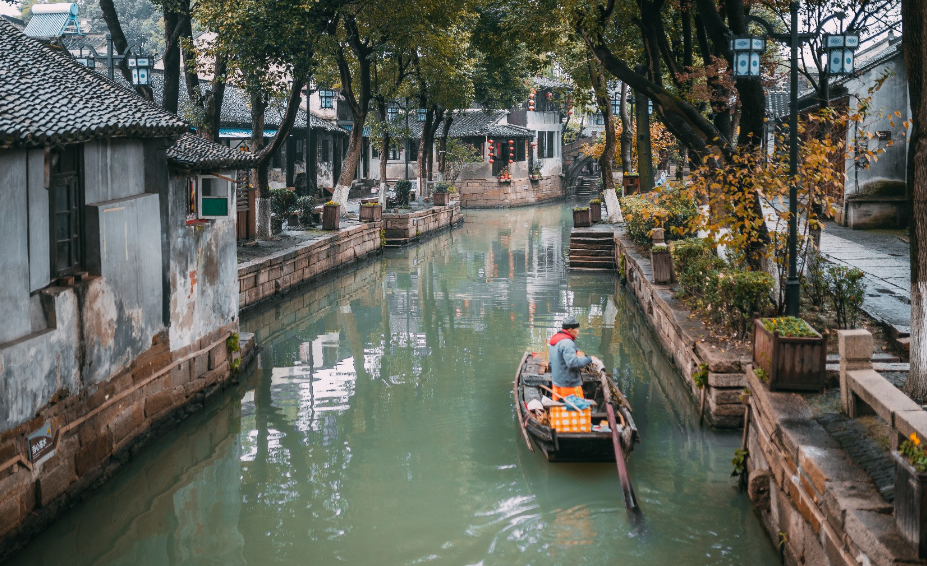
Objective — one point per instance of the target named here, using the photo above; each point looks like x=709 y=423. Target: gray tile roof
x=47 y=98
x=198 y=153
x=474 y=123
x=545 y=82
x=777 y=104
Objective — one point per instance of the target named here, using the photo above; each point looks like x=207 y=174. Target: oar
x=630 y=501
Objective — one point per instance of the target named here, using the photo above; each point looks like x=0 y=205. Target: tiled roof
x=777 y=104
x=199 y=153
x=47 y=98
x=545 y=82
x=474 y=123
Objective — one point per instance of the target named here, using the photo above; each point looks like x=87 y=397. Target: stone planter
x=791 y=364
x=371 y=213
x=662 y=263
x=441 y=199
x=331 y=217
x=582 y=218
x=595 y=210
x=911 y=503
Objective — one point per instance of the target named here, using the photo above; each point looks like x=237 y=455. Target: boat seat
x=534 y=379
x=531 y=394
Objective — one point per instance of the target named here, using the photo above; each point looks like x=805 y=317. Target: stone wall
x=685 y=340
x=490 y=193
x=811 y=497
x=405 y=227
x=262 y=278
x=97 y=429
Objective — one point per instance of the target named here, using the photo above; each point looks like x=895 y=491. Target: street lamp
x=140 y=65
x=746 y=50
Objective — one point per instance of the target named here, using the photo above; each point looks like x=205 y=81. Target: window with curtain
x=327 y=98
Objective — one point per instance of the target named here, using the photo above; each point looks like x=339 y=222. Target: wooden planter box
x=331 y=217
x=441 y=199
x=911 y=503
x=582 y=218
x=371 y=213
x=631 y=183
x=792 y=364
x=662 y=262
x=595 y=210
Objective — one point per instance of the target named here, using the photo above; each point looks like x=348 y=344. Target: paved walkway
x=884 y=258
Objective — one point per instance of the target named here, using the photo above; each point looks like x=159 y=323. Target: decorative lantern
x=140 y=65
x=550 y=95
x=747 y=50
x=510 y=162
x=841 y=52
x=531 y=96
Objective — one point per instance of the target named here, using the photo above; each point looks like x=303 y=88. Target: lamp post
x=139 y=64
x=747 y=50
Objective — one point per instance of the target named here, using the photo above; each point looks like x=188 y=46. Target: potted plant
x=442 y=194
x=505 y=175
x=789 y=354
x=595 y=209
x=911 y=492
x=581 y=217
x=662 y=262
x=331 y=216
x=371 y=212
x=535 y=174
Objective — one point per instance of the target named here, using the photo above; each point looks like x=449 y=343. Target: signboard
x=41 y=444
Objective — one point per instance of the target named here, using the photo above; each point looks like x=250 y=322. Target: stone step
x=592 y=252
x=883 y=357
x=599 y=269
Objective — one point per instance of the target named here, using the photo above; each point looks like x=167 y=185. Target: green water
x=376 y=427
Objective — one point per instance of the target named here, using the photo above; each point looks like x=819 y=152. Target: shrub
x=746 y=296
x=282 y=201
x=304 y=206
x=442 y=188
x=403 y=188
x=669 y=207
x=846 y=291
x=815 y=283
x=695 y=262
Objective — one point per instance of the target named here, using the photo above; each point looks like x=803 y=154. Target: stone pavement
x=885 y=260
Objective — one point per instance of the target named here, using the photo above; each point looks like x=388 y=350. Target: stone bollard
x=855 y=347
x=657 y=236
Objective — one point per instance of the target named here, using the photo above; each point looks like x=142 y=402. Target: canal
x=376 y=427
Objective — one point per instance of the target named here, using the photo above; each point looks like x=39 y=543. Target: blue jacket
x=564 y=363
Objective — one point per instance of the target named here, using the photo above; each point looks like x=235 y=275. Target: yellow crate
x=563 y=420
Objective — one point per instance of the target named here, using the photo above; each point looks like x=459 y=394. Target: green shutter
x=215 y=206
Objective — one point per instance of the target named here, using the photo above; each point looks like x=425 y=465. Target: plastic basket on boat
x=563 y=420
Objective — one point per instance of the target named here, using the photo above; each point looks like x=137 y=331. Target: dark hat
x=570 y=322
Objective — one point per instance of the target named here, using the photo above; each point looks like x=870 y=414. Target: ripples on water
x=377 y=428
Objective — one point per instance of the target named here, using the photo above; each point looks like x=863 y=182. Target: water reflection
x=377 y=427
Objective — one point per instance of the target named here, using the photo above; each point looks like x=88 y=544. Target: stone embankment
x=96 y=432
x=405 y=227
x=817 y=502
x=686 y=341
x=490 y=193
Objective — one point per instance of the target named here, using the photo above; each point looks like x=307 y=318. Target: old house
x=119 y=280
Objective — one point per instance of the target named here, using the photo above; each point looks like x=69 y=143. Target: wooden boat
x=531 y=377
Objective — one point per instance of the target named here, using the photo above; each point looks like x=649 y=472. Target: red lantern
x=570 y=112
x=531 y=96
x=511 y=142
x=491 y=161
x=550 y=95
x=510 y=162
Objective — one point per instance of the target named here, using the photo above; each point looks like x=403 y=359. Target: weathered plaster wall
x=489 y=193
x=14 y=261
x=265 y=277
x=113 y=169
x=39 y=265
x=203 y=270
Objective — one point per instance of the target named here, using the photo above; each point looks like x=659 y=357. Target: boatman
x=566 y=360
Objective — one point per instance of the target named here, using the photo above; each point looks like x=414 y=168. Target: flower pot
x=595 y=209
x=581 y=218
x=441 y=199
x=371 y=213
x=331 y=217
x=911 y=503
x=662 y=262
x=791 y=364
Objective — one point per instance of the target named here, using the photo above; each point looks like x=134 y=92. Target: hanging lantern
x=510 y=162
x=511 y=142
x=531 y=96
x=549 y=96
x=491 y=161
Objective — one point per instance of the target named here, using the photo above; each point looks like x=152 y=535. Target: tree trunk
x=171 y=60
x=384 y=155
x=421 y=162
x=607 y=159
x=442 y=151
x=626 y=136
x=111 y=17
x=259 y=180
x=349 y=165
x=914 y=44
x=644 y=149
x=212 y=108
